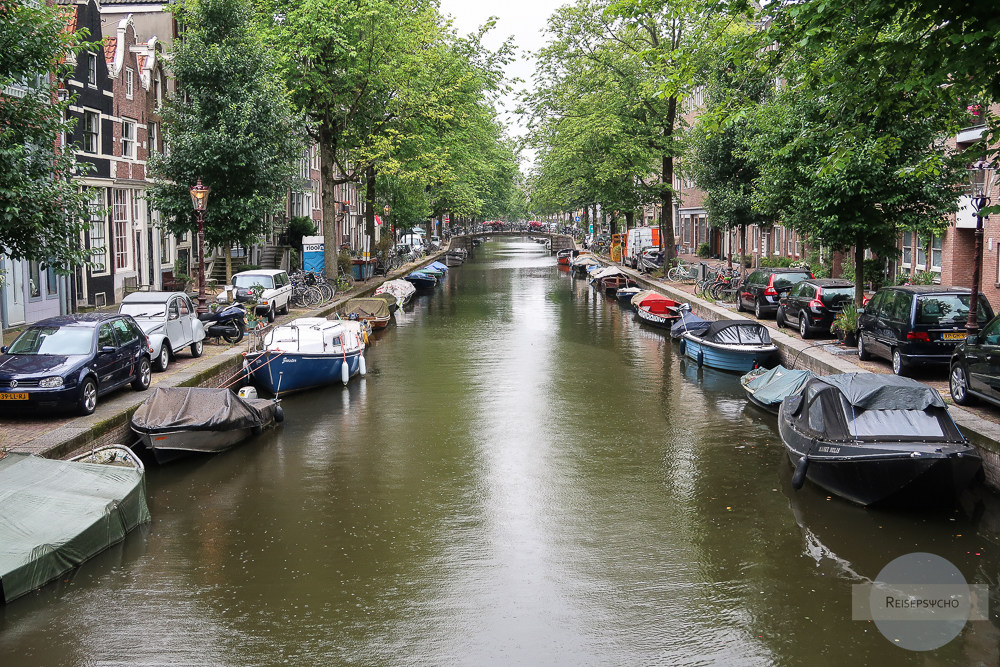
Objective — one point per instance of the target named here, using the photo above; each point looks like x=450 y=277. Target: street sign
x=591 y=229
x=576 y=219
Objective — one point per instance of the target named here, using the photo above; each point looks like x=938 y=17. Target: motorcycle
x=228 y=323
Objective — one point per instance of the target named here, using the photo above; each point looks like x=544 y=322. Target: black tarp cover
x=199 y=409
x=736 y=332
x=688 y=321
x=872 y=391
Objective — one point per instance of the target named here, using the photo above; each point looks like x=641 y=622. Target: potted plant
x=845 y=325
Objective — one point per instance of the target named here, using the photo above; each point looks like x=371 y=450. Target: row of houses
x=117 y=94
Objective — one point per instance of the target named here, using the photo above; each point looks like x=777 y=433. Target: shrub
x=298 y=227
x=344 y=262
x=704 y=250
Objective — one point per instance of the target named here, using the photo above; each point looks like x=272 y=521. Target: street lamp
x=981 y=185
x=199 y=199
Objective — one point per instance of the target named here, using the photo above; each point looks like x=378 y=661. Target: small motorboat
x=656 y=309
x=58 y=514
x=308 y=352
x=766 y=388
x=401 y=289
x=877 y=440
x=583 y=263
x=611 y=279
x=373 y=310
x=625 y=294
x=688 y=321
x=421 y=280
x=730 y=345
x=565 y=256
x=438 y=266
x=178 y=421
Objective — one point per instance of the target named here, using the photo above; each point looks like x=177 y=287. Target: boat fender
x=683 y=345
x=799 y=476
x=701 y=358
x=362 y=366
x=279 y=414
x=345 y=372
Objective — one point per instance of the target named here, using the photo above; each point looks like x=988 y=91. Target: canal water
x=528 y=475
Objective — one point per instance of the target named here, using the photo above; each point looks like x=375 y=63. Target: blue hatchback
x=68 y=361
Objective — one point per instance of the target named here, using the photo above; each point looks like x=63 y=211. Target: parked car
x=761 y=291
x=275 y=295
x=812 y=304
x=916 y=324
x=169 y=320
x=975 y=367
x=71 y=360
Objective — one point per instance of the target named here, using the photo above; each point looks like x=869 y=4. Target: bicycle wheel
x=326 y=290
x=313 y=296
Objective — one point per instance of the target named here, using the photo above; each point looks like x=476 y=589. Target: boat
x=877 y=440
x=766 y=388
x=656 y=309
x=565 y=256
x=401 y=289
x=390 y=300
x=688 y=321
x=456 y=257
x=57 y=514
x=438 y=266
x=373 y=310
x=730 y=345
x=581 y=264
x=611 y=279
x=422 y=280
x=308 y=352
x=625 y=294
x=179 y=421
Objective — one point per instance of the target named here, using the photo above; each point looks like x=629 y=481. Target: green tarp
x=771 y=387
x=56 y=514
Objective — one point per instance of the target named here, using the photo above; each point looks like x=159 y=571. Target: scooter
x=228 y=323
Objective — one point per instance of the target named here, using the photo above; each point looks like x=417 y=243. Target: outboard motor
x=228 y=323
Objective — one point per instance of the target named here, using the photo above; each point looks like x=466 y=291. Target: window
x=936 y=253
x=164 y=248
x=34 y=280
x=106 y=337
x=304 y=166
x=91 y=132
x=157 y=90
x=98 y=234
x=816 y=421
x=908 y=249
x=51 y=285
x=92 y=69
x=128 y=138
x=120 y=217
x=154 y=133
x=125 y=333
x=129 y=83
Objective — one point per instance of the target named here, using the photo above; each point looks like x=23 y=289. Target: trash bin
x=362 y=269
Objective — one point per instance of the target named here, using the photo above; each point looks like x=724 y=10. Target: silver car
x=170 y=321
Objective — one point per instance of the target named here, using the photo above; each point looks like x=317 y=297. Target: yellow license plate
x=953 y=335
x=18 y=396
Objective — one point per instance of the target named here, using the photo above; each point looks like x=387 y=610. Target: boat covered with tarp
x=730 y=345
x=179 y=421
x=611 y=279
x=54 y=515
x=877 y=440
x=688 y=321
x=422 y=280
x=584 y=263
x=403 y=290
x=438 y=266
x=389 y=299
x=768 y=387
x=373 y=310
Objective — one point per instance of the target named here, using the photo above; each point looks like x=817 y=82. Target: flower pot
x=848 y=338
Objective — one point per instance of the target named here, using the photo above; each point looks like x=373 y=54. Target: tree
x=42 y=211
x=231 y=125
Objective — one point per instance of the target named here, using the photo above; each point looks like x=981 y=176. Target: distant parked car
x=71 y=360
x=975 y=367
x=763 y=289
x=169 y=320
x=812 y=304
x=276 y=290
x=916 y=324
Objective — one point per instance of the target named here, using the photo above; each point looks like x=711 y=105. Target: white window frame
x=99 y=241
x=96 y=134
x=121 y=210
x=129 y=83
x=152 y=130
x=91 y=69
x=128 y=138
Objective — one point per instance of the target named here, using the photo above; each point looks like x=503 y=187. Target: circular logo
x=13 y=384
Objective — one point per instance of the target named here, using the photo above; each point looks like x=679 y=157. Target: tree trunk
x=369 y=211
x=859 y=271
x=229 y=265
x=331 y=206
x=629 y=219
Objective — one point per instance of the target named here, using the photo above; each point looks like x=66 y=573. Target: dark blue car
x=68 y=361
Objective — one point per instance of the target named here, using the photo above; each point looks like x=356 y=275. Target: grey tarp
x=200 y=409
x=56 y=514
x=367 y=307
x=871 y=391
x=772 y=386
x=736 y=332
x=689 y=322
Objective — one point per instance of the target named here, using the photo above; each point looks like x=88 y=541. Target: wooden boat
x=656 y=309
x=611 y=279
x=61 y=513
x=401 y=289
x=766 y=388
x=625 y=295
x=421 y=280
x=730 y=345
x=581 y=264
x=178 y=421
x=877 y=440
x=308 y=352
x=565 y=256
x=373 y=310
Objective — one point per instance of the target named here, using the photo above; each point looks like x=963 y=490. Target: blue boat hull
x=291 y=371
x=727 y=359
x=422 y=282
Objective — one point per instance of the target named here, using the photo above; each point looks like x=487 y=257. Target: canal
x=526 y=476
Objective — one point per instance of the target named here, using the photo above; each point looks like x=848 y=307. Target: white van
x=416 y=241
x=637 y=240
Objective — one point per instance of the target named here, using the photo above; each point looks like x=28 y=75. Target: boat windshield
x=894 y=424
x=54 y=340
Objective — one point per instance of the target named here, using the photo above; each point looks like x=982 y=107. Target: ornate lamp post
x=981 y=181
x=199 y=199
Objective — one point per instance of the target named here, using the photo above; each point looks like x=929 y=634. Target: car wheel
x=863 y=354
x=898 y=366
x=757 y=311
x=88 y=396
x=958 y=384
x=779 y=317
x=143 y=375
x=197 y=349
x=284 y=309
x=804 y=329
x=270 y=313
x=739 y=304
x=163 y=359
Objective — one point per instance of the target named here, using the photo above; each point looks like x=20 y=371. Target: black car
x=68 y=361
x=975 y=367
x=812 y=304
x=916 y=324
x=763 y=288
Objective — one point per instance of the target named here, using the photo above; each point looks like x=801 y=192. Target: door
x=983 y=360
x=127 y=348
x=13 y=289
x=187 y=328
x=174 y=325
x=106 y=363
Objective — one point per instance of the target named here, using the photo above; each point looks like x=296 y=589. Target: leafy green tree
x=42 y=211
x=231 y=125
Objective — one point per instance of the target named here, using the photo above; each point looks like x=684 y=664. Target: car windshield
x=783 y=280
x=143 y=309
x=252 y=280
x=837 y=293
x=54 y=340
x=947 y=309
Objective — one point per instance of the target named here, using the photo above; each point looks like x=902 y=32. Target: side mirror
x=3 y=350
x=969 y=340
x=107 y=349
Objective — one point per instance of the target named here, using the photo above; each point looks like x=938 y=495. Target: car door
x=747 y=296
x=799 y=295
x=174 y=326
x=128 y=343
x=106 y=362
x=187 y=312
x=983 y=360
x=284 y=291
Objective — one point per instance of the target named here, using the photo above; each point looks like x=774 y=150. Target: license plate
x=953 y=335
x=18 y=396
